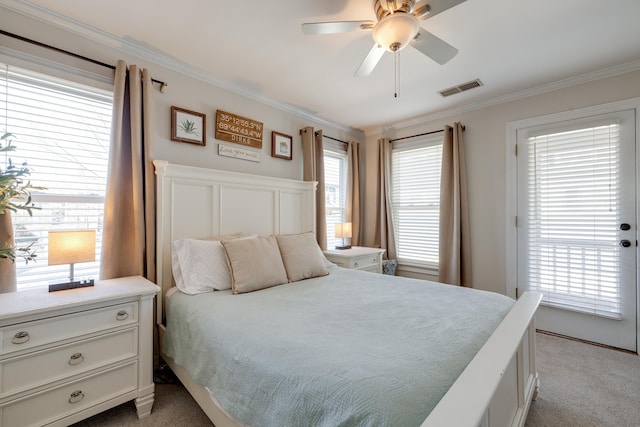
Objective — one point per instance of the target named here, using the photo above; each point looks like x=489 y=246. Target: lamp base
x=70 y=285
x=343 y=247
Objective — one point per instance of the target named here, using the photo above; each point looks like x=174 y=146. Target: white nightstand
x=357 y=258
x=68 y=355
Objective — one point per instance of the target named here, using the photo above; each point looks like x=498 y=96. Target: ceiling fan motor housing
x=387 y=7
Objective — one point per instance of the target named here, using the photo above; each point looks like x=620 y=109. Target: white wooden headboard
x=199 y=203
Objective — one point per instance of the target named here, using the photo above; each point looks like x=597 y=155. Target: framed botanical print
x=281 y=145
x=188 y=126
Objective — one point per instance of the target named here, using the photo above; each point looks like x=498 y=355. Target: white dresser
x=68 y=355
x=357 y=258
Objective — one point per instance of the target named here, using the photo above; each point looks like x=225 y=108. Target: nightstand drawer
x=57 y=363
x=31 y=334
x=53 y=404
x=365 y=262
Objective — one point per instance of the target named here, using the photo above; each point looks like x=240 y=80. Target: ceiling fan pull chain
x=397 y=73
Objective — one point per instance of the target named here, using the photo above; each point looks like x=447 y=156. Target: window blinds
x=335 y=182
x=573 y=217
x=415 y=190
x=61 y=130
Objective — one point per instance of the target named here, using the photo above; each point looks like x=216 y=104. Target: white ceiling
x=257 y=47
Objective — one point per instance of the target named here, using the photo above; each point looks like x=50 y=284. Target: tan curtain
x=455 y=250
x=128 y=242
x=313 y=170
x=384 y=237
x=353 y=213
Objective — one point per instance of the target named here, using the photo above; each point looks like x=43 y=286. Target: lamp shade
x=395 y=31
x=69 y=247
x=343 y=230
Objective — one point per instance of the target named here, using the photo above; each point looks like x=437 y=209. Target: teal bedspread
x=348 y=349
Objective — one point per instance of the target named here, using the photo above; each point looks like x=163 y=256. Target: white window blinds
x=61 y=130
x=573 y=217
x=335 y=184
x=415 y=190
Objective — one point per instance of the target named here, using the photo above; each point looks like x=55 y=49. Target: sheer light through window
x=61 y=129
x=415 y=199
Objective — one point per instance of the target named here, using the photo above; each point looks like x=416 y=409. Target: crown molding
x=46 y=16
x=513 y=96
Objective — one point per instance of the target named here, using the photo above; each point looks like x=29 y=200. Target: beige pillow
x=254 y=264
x=301 y=256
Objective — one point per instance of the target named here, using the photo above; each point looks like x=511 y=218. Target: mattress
x=350 y=348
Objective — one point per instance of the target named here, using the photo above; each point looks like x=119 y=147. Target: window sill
x=418 y=271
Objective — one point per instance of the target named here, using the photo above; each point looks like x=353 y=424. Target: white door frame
x=512 y=184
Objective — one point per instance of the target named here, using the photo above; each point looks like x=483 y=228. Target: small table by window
x=357 y=258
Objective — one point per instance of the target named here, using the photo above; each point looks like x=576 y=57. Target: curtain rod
x=75 y=55
x=421 y=134
x=334 y=139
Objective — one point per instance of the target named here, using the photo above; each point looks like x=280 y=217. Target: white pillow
x=199 y=266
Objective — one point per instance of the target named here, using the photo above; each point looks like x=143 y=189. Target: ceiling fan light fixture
x=395 y=31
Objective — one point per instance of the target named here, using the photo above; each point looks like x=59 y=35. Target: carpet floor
x=582 y=385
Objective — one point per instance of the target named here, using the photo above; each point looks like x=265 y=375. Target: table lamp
x=70 y=247
x=343 y=230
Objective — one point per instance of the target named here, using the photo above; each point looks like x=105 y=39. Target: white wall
x=485 y=150
x=182 y=91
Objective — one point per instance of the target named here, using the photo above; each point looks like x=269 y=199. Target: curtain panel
x=128 y=245
x=313 y=170
x=454 y=246
x=353 y=211
x=384 y=233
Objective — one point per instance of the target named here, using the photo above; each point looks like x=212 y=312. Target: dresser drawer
x=31 y=334
x=61 y=362
x=53 y=404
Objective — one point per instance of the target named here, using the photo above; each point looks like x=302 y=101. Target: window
x=61 y=129
x=415 y=200
x=575 y=208
x=335 y=185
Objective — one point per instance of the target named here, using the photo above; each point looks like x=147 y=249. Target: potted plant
x=15 y=195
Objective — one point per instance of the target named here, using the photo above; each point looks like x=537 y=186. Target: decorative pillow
x=199 y=266
x=254 y=263
x=301 y=256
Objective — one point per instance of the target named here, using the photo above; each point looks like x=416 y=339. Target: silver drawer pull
x=76 y=396
x=122 y=315
x=76 y=359
x=21 y=337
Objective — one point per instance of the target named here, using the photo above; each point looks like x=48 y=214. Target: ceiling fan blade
x=312 y=28
x=370 y=61
x=434 y=47
x=434 y=7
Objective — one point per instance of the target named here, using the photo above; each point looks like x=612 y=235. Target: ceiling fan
x=397 y=27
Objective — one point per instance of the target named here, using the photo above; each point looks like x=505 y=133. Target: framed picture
x=188 y=126
x=281 y=145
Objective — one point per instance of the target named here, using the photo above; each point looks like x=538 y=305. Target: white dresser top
x=35 y=301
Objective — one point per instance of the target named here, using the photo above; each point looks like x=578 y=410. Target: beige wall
x=182 y=91
x=485 y=143
x=485 y=149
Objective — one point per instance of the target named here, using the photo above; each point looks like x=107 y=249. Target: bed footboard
x=499 y=384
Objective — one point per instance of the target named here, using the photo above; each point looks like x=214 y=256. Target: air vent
x=460 y=88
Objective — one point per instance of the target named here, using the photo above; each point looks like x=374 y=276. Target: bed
x=489 y=378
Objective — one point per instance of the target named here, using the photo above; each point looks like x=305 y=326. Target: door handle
x=625 y=227
x=625 y=243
